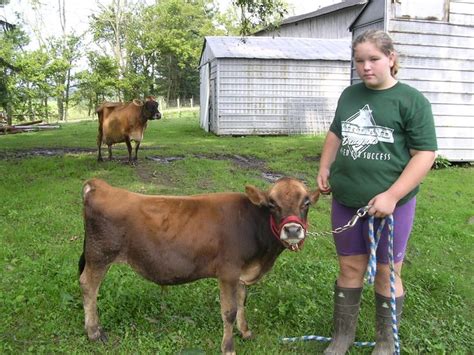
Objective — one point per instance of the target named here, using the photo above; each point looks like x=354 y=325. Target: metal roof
x=319 y=12
x=324 y=11
x=278 y=48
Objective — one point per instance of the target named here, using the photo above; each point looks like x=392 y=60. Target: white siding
x=327 y=26
x=461 y=12
x=278 y=96
x=436 y=58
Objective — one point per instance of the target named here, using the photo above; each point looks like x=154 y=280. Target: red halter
x=277 y=230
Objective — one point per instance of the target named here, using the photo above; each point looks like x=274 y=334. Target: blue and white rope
x=372 y=268
x=374 y=242
x=322 y=339
x=371 y=271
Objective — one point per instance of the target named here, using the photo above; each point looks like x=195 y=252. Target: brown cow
x=171 y=240
x=124 y=122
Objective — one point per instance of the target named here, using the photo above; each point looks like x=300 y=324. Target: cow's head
x=149 y=108
x=288 y=201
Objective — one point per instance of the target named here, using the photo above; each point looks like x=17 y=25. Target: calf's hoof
x=97 y=335
x=247 y=335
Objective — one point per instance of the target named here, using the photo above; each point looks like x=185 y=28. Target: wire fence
x=178 y=104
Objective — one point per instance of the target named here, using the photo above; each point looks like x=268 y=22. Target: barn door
x=212 y=106
x=204 y=98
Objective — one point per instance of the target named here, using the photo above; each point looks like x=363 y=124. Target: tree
x=110 y=29
x=173 y=51
x=33 y=85
x=65 y=51
x=12 y=40
x=256 y=14
x=99 y=82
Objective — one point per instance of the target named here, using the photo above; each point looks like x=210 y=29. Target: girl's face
x=373 y=66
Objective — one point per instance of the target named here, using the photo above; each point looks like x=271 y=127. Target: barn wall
x=436 y=58
x=326 y=26
x=278 y=96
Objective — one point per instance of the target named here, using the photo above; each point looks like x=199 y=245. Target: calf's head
x=288 y=201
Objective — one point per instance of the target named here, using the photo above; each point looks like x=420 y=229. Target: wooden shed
x=266 y=86
x=435 y=40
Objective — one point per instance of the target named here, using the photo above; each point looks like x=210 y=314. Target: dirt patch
x=161 y=179
x=145 y=171
x=44 y=152
x=242 y=162
x=164 y=160
x=313 y=158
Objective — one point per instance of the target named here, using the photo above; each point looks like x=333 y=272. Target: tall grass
x=41 y=233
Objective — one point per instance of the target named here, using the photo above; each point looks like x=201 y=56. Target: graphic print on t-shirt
x=360 y=131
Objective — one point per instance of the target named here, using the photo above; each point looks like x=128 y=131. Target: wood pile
x=26 y=127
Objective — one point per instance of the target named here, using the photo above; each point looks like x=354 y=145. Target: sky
x=77 y=12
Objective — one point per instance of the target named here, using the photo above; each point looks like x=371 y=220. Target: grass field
x=41 y=236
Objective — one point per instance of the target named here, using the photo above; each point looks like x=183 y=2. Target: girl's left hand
x=382 y=205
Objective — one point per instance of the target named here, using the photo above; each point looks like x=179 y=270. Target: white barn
x=435 y=41
x=327 y=22
x=271 y=86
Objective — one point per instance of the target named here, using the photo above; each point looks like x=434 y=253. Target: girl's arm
x=331 y=145
x=419 y=165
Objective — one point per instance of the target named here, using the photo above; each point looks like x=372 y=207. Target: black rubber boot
x=346 y=311
x=385 y=345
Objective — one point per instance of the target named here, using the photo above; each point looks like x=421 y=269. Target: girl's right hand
x=323 y=181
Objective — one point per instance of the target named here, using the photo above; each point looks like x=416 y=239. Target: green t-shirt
x=377 y=129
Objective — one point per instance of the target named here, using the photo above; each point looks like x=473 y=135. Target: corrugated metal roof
x=278 y=48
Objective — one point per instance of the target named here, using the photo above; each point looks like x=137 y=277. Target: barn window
x=437 y=9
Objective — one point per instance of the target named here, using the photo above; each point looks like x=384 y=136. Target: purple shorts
x=355 y=241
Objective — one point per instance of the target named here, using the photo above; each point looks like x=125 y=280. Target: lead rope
x=371 y=271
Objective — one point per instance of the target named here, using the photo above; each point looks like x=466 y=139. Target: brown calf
x=124 y=122
x=171 y=240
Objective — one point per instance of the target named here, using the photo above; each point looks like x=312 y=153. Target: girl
x=379 y=148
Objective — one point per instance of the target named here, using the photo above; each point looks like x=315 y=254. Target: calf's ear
x=256 y=196
x=314 y=196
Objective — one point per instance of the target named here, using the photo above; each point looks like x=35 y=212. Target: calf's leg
x=110 y=151
x=129 y=148
x=241 y=321
x=137 y=145
x=228 y=295
x=90 y=280
x=99 y=148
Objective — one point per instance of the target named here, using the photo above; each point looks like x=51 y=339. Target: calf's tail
x=82 y=260
x=100 y=115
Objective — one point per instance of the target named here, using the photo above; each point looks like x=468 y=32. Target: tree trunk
x=60 y=103
x=66 y=94
x=46 y=111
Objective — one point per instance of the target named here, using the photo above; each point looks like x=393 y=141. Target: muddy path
x=145 y=170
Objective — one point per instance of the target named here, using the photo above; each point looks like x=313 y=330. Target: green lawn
x=41 y=234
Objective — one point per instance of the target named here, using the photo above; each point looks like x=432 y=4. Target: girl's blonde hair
x=383 y=42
